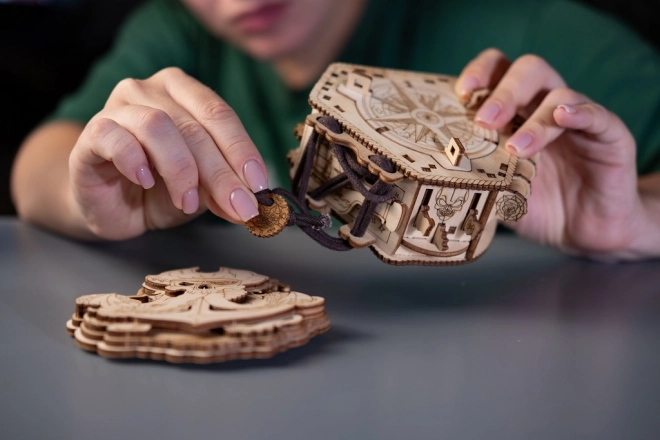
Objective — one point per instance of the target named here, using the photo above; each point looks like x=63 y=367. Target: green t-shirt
x=594 y=53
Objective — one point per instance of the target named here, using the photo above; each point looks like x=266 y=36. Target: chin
x=268 y=48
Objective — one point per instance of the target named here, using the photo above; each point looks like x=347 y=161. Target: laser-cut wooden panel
x=453 y=179
x=191 y=316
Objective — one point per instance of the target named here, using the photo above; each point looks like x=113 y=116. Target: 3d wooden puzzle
x=398 y=158
x=191 y=316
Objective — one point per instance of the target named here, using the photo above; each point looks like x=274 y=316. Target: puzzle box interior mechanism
x=191 y=316
x=447 y=180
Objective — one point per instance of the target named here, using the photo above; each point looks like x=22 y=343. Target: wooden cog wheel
x=271 y=219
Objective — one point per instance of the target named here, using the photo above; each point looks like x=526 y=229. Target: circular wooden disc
x=271 y=219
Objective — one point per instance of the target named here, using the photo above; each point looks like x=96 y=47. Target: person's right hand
x=162 y=151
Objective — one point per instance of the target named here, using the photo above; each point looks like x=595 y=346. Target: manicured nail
x=255 y=176
x=488 y=113
x=519 y=141
x=469 y=84
x=191 y=201
x=145 y=177
x=567 y=108
x=243 y=204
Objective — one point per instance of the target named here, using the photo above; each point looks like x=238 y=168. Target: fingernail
x=469 y=84
x=567 y=108
x=243 y=204
x=519 y=141
x=488 y=113
x=145 y=177
x=255 y=176
x=191 y=201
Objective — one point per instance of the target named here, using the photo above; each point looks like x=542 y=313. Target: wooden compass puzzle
x=399 y=159
x=191 y=316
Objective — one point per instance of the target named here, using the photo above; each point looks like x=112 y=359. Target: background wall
x=46 y=49
x=45 y=52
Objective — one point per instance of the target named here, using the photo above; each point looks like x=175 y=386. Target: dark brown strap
x=353 y=173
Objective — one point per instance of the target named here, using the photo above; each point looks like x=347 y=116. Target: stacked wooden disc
x=191 y=316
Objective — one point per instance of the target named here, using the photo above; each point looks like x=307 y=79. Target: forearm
x=40 y=180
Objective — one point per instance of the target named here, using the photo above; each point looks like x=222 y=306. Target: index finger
x=222 y=124
x=522 y=88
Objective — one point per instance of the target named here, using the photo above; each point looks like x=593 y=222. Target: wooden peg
x=474 y=100
x=471 y=224
x=455 y=151
x=424 y=223
x=440 y=237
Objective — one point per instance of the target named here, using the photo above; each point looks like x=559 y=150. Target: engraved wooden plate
x=191 y=316
x=410 y=117
x=271 y=219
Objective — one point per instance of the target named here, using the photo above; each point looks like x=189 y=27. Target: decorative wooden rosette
x=271 y=219
x=452 y=181
x=191 y=316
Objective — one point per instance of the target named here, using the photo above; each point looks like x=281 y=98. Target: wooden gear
x=190 y=316
x=453 y=179
x=271 y=219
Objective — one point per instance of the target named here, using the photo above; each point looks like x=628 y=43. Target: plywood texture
x=451 y=178
x=410 y=118
x=191 y=316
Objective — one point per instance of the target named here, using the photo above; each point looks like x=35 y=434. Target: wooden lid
x=410 y=118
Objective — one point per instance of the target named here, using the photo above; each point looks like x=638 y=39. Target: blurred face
x=266 y=29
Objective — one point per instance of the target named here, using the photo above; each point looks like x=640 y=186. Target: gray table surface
x=526 y=343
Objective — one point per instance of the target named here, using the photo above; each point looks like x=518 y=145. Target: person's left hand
x=585 y=197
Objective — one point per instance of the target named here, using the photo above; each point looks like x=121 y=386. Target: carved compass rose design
x=421 y=116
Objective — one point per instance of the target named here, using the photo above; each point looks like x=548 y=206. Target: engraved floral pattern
x=511 y=207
